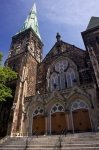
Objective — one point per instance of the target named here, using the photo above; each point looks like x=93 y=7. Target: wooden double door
x=39 y=124
x=81 y=120
x=58 y=122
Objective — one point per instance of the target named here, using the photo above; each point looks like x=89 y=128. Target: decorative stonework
x=62 y=82
x=78 y=104
x=38 y=111
x=57 y=108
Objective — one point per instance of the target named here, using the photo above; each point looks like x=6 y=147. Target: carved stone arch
x=59 y=59
x=57 y=107
x=53 y=101
x=78 y=104
x=32 y=107
x=77 y=92
x=76 y=96
x=35 y=100
x=64 y=58
x=55 y=66
x=38 y=111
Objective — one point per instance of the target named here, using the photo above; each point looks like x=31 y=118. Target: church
x=59 y=92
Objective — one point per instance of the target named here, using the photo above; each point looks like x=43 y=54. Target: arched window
x=61 y=67
x=78 y=104
x=61 y=75
x=54 y=81
x=70 y=77
x=57 y=108
x=38 y=111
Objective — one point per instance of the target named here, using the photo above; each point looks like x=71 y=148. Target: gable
x=63 y=47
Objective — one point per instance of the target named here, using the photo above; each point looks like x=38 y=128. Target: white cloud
x=72 y=12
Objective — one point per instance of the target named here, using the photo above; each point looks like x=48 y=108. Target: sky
x=68 y=17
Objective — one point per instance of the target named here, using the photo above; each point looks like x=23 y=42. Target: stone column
x=71 y=115
x=46 y=117
x=67 y=118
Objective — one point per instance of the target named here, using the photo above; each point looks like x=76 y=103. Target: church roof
x=31 y=22
x=94 y=22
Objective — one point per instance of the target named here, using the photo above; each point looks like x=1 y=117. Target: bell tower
x=24 y=56
x=91 y=41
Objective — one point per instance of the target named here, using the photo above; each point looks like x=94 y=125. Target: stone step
x=53 y=148
x=74 y=142
x=50 y=145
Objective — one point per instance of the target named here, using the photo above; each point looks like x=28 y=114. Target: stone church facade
x=58 y=92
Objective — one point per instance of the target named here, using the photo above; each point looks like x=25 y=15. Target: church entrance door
x=39 y=124
x=58 y=122
x=81 y=120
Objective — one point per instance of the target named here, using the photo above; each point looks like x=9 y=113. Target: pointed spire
x=31 y=21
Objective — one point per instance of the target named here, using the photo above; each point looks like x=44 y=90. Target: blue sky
x=68 y=17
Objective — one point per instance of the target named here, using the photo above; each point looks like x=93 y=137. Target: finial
x=34 y=8
x=58 y=37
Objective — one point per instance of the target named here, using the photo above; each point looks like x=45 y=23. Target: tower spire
x=31 y=22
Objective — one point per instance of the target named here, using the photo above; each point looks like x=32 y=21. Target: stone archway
x=58 y=119
x=81 y=118
x=38 y=122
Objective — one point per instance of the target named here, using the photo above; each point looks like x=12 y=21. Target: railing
x=26 y=144
x=2 y=141
x=27 y=139
x=63 y=133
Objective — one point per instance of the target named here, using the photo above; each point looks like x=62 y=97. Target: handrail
x=60 y=138
x=27 y=141
x=3 y=139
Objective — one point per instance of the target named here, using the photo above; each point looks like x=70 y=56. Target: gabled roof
x=31 y=22
x=94 y=22
x=53 y=52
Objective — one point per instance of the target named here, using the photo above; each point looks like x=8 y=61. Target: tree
x=6 y=74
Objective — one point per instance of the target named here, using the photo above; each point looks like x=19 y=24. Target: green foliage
x=6 y=75
x=1 y=58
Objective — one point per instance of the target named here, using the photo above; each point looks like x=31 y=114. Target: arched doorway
x=58 y=119
x=38 y=121
x=81 y=118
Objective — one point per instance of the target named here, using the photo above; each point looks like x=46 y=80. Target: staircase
x=81 y=141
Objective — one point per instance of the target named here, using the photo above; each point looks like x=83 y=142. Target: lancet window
x=62 y=75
